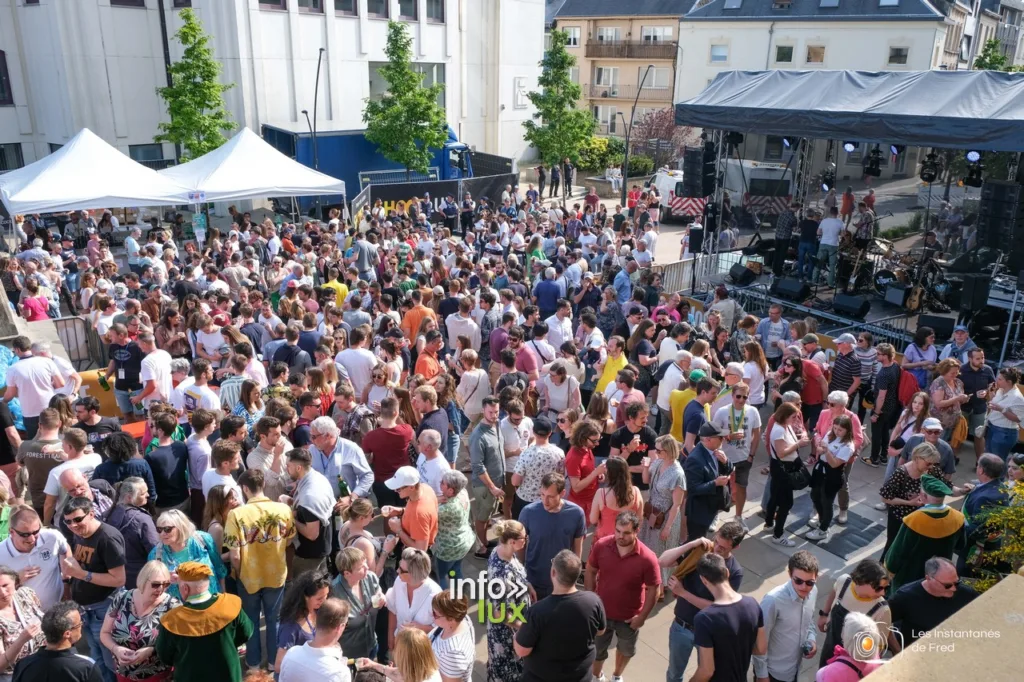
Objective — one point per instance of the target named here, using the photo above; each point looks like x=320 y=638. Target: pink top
x=824 y=425
x=606 y=520
x=36 y=308
x=840 y=671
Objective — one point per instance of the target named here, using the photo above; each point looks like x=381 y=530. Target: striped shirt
x=845 y=369
x=868 y=363
x=455 y=655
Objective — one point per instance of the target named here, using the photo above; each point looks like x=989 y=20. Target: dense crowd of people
x=334 y=418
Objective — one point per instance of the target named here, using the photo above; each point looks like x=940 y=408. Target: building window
x=54 y=147
x=128 y=3
x=182 y=4
x=10 y=157
x=606 y=118
x=888 y=3
x=435 y=11
x=606 y=34
x=31 y=2
x=656 y=34
x=272 y=4
x=6 y=94
x=659 y=78
x=349 y=8
x=606 y=76
x=898 y=55
x=783 y=54
x=719 y=54
x=574 y=36
x=773 y=148
x=311 y=6
x=146 y=152
x=574 y=74
x=432 y=73
x=815 y=54
x=378 y=8
x=407 y=9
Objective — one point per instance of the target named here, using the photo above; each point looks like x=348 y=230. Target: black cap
x=709 y=430
x=542 y=426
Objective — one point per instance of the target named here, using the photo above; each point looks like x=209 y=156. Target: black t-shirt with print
x=98 y=432
x=622 y=437
x=127 y=366
x=100 y=552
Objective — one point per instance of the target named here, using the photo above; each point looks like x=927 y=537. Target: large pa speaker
x=742 y=275
x=974 y=295
x=791 y=288
x=696 y=241
x=999 y=215
x=896 y=293
x=943 y=326
x=693 y=164
x=854 y=306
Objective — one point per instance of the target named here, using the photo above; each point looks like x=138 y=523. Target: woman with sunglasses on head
x=132 y=623
x=303 y=595
x=790 y=377
x=181 y=542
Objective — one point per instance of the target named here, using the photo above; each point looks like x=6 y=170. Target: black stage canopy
x=981 y=110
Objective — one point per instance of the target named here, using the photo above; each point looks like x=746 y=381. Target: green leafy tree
x=195 y=98
x=559 y=129
x=407 y=122
x=991 y=58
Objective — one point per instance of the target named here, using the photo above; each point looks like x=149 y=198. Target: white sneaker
x=739 y=520
x=617 y=678
x=812 y=523
x=817 y=535
x=881 y=506
x=841 y=518
x=600 y=679
x=784 y=542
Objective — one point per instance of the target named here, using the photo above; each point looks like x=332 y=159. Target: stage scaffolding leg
x=1009 y=325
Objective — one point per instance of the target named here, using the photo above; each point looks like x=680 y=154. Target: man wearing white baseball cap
x=931 y=431
x=416 y=524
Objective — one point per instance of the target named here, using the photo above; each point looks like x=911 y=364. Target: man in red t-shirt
x=624 y=573
x=526 y=360
x=387 y=449
x=814 y=391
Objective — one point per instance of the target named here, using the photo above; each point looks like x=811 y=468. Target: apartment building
x=625 y=53
x=69 y=64
x=756 y=35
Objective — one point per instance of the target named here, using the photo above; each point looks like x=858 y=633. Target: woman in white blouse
x=783 y=452
x=558 y=390
x=474 y=386
x=1005 y=413
x=410 y=598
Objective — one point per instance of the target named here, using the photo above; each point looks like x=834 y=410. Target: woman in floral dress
x=948 y=397
x=661 y=527
x=502 y=663
x=455 y=536
x=20 y=616
x=133 y=621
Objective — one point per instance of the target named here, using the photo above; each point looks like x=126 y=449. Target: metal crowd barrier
x=82 y=343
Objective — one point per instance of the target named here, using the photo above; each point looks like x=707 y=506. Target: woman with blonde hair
x=357 y=516
x=663 y=514
x=503 y=564
x=474 y=386
x=413 y=656
x=20 y=609
x=181 y=542
x=358 y=585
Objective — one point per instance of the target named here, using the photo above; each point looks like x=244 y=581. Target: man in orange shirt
x=417 y=526
x=428 y=364
x=412 y=320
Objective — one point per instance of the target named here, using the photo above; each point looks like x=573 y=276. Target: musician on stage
x=864 y=222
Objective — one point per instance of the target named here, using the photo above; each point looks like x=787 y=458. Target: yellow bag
x=959 y=433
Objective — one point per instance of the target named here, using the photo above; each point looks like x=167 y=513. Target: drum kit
x=881 y=267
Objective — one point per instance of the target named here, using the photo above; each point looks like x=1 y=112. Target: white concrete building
x=755 y=35
x=69 y=64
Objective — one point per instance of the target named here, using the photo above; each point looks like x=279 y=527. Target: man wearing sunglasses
x=789 y=623
x=96 y=568
x=921 y=605
x=35 y=553
x=62 y=627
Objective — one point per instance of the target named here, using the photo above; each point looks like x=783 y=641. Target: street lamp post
x=629 y=130
x=316 y=93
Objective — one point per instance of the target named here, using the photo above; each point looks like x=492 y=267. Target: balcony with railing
x=630 y=49
x=628 y=92
x=1008 y=36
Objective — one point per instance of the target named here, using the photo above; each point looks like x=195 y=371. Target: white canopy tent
x=247 y=167
x=86 y=173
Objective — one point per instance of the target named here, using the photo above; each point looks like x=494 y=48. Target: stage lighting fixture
x=786 y=143
x=897 y=149
x=849 y=146
x=828 y=179
x=734 y=138
x=974 y=172
x=874 y=167
x=973 y=156
x=929 y=168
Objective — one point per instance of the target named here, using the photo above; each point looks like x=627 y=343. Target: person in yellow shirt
x=335 y=284
x=679 y=399
x=615 y=361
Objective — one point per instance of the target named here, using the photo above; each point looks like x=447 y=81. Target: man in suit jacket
x=978 y=503
x=707 y=470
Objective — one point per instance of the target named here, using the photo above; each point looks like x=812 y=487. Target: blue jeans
x=803 y=258
x=92 y=622
x=268 y=600
x=680 y=646
x=452 y=449
x=443 y=567
x=1000 y=441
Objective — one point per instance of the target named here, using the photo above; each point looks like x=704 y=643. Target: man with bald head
x=74 y=484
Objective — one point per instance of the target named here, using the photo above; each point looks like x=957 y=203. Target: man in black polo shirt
x=977 y=377
x=920 y=606
x=59 y=661
x=691 y=594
